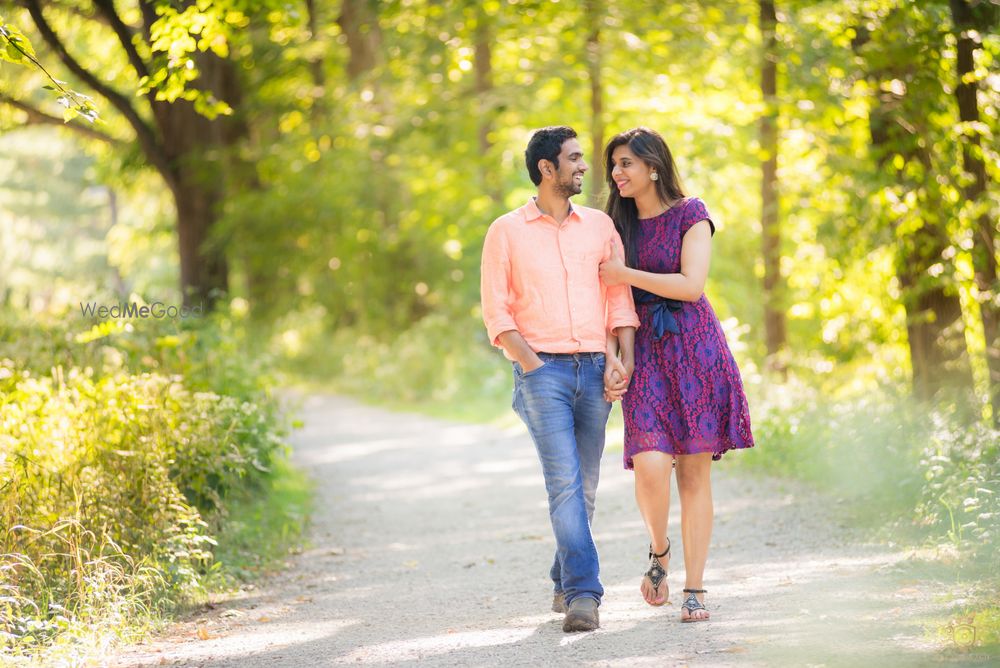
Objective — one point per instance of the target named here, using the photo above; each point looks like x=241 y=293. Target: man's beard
x=569 y=189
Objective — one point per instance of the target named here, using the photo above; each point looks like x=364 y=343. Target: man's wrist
x=529 y=359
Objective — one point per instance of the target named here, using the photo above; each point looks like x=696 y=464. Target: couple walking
x=592 y=307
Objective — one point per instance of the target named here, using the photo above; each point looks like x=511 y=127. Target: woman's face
x=630 y=174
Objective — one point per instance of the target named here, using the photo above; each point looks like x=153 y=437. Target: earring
x=654 y=177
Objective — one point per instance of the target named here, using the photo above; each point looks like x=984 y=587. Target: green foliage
x=261 y=526
x=961 y=497
x=125 y=451
x=935 y=475
x=16 y=48
x=421 y=366
x=176 y=39
x=377 y=155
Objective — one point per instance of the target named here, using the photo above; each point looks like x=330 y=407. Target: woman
x=685 y=404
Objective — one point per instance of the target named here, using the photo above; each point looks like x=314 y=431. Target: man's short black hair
x=546 y=144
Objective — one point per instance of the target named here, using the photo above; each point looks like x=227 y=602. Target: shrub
x=961 y=496
x=933 y=468
x=117 y=465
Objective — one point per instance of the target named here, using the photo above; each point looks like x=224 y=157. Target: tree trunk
x=984 y=250
x=121 y=287
x=359 y=23
x=318 y=109
x=200 y=153
x=595 y=14
x=934 y=325
x=191 y=153
x=487 y=104
x=774 y=306
x=204 y=272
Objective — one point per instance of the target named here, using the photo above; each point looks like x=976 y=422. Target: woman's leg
x=652 y=494
x=694 y=485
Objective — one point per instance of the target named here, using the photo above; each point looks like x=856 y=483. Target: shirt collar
x=532 y=212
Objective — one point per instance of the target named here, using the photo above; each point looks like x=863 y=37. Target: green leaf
x=13 y=54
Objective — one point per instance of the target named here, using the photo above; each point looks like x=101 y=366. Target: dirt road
x=431 y=545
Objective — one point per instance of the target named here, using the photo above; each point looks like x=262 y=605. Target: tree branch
x=107 y=9
x=144 y=133
x=149 y=17
x=71 y=9
x=38 y=117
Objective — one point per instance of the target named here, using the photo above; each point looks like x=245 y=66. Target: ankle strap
x=663 y=554
x=695 y=591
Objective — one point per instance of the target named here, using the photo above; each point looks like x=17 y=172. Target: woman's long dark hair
x=648 y=146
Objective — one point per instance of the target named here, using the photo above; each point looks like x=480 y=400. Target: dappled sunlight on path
x=431 y=544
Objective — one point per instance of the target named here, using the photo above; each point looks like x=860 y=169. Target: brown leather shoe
x=559 y=602
x=581 y=615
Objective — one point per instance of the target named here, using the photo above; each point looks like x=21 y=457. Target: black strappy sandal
x=691 y=604
x=656 y=574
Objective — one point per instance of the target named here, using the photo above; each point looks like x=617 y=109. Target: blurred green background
x=320 y=175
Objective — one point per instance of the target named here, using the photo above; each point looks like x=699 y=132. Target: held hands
x=616 y=378
x=614 y=389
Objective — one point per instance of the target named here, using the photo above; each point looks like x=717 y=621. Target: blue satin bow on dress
x=662 y=311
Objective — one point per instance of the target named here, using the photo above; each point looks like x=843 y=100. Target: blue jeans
x=562 y=403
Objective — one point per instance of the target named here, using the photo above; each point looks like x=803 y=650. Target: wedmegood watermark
x=156 y=310
x=963 y=635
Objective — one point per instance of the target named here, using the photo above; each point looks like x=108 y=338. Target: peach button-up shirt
x=541 y=279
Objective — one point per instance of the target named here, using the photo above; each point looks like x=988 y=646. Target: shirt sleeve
x=620 y=306
x=494 y=284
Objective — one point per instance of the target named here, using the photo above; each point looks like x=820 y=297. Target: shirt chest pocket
x=586 y=261
x=583 y=267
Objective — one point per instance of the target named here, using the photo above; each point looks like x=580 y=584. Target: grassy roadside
x=143 y=469
x=262 y=529
x=922 y=480
x=259 y=531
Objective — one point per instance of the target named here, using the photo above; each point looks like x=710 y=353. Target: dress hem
x=716 y=454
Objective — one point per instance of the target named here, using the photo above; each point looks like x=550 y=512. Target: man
x=545 y=306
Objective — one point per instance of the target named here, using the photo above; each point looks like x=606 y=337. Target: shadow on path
x=431 y=545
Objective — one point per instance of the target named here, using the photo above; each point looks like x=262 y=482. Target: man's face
x=572 y=166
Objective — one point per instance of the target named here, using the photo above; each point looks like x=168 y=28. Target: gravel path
x=431 y=544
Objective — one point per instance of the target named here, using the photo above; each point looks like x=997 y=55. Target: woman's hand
x=616 y=379
x=615 y=388
x=613 y=272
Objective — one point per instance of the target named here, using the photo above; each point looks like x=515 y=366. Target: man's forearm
x=517 y=348
x=612 y=345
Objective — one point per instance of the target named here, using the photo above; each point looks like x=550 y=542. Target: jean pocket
x=529 y=374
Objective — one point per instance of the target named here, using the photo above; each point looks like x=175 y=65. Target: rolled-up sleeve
x=621 y=307
x=494 y=284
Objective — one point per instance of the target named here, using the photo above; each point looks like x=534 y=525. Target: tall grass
x=124 y=450
x=926 y=472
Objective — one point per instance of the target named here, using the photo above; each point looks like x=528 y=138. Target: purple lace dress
x=686 y=395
